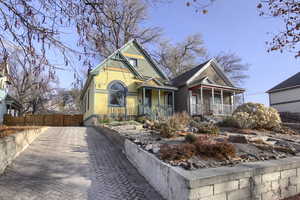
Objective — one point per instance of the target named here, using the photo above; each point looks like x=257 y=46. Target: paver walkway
x=73 y=163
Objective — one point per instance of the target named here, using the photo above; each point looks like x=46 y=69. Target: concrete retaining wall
x=267 y=180
x=11 y=146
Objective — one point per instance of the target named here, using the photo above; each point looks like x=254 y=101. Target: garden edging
x=11 y=146
x=266 y=180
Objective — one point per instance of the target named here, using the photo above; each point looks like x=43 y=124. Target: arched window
x=117 y=94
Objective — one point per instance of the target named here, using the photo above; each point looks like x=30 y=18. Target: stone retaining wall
x=264 y=180
x=11 y=146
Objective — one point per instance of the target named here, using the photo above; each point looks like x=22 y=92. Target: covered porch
x=211 y=99
x=156 y=101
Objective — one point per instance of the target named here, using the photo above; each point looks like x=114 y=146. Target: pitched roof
x=293 y=81
x=183 y=78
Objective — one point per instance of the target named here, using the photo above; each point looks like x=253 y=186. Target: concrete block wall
x=11 y=146
x=265 y=180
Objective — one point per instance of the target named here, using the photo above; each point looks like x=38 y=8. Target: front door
x=148 y=98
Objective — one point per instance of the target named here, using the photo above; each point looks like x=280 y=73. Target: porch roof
x=207 y=85
x=162 y=87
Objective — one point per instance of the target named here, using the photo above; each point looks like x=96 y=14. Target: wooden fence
x=44 y=120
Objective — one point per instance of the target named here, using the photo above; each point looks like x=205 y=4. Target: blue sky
x=230 y=26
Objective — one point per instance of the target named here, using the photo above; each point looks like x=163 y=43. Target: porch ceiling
x=210 y=86
x=143 y=85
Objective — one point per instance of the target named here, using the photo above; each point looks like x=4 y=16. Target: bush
x=105 y=119
x=244 y=120
x=190 y=138
x=179 y=121
x=219 y=150
x=142 y=118
x=206 y=128
x=177 y=152
x=228 y=122
x=255 y=115
x=166 y=131
x=203 y=146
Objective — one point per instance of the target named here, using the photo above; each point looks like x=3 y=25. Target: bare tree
x=35 y=26
x=234 y=67
x=288 y=11
x=180 y=57
x=105 y=26
x=30 y=85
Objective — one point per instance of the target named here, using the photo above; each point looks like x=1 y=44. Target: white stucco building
x=285 y=97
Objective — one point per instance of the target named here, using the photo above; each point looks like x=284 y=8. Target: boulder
x=238 y=139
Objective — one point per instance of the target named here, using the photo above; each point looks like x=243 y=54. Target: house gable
x=145 y=65
x=212 y=72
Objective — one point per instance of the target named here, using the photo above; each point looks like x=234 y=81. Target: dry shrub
x=256 y=115
x=177 y=152
x=204 y=146
x=209 y=148
x=228 y=121
x=190 y=138
x=179 y=121
x=166 y=130
x=206 y=128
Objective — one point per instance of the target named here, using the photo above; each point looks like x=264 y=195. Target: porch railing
x=157 y=111
x=215 y=109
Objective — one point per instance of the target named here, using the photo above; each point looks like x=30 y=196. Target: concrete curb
x=11 y=146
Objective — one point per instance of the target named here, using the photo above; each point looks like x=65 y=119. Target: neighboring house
x=285 y=97
x=206 y=90
x=8 y=105
x=130 y=83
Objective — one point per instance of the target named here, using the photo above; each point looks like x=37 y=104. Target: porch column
x=213 y=95
x=144 y=97
x=190 y=101
x=222 y=101
x=158 y=97
x=202 y=103
x=173 y=103
x=233 y=101
x=213 y=99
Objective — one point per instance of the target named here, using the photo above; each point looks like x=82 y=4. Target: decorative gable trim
x=153 y=63
x=217 y=68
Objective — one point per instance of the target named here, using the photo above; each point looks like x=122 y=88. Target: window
x=117 y=94
x=133 y=62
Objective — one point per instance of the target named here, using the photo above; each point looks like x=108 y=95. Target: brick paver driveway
x=73 y=163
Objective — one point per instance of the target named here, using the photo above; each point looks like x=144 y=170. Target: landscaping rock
x=237 y=139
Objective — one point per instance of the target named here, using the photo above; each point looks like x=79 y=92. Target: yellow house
x=127 y=83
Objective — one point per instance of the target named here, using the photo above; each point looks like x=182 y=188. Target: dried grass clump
x=166 y=131
x=203 y=146
x=177 y=152
x=190 y=138
x=255 y=115
x=206 y=128
x=213 y=149
x=179 y=121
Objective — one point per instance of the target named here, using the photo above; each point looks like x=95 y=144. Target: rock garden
x=253 y=133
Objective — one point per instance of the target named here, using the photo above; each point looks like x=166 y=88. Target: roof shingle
x=290 y=82
x=183 y=78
